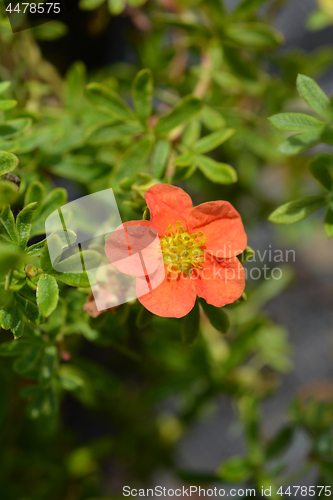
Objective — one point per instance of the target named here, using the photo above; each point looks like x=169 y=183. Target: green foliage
x=191 y=326
x=296 y=122
x=321 y=168
x=217 y=317
x=329 y=221
x=235 y=470
x=192 y=107
x=23 y=223
x=313 y=132
x=253 y=35
x=314 y=96
x=280 y=442
x=216 y=171
x=184 y=111
x=295 y=211
x=318 y=20
x=108 y=101
x=47 y=294
x=52 y=31
x=8 y=162
x=142 y=93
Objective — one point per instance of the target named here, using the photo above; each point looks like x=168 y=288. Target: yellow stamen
x=182 y=251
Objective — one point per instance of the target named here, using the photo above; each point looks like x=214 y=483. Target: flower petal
x=219 y=282
x=222 y=225
x=173 y=298
x=167 y=205
x=134 y=248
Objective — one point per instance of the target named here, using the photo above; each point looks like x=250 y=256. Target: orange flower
x=199 y=248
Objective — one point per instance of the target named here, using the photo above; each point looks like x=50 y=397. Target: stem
x=204 y=81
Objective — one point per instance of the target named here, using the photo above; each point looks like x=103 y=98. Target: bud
x=31 y=270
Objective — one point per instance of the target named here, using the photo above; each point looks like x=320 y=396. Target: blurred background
x=174 y=415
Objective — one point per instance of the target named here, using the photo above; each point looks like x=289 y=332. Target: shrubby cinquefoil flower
x=199 y=252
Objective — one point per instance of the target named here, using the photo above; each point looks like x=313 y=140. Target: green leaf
x=64 y=236
x=253 y=35
x=73 y=264
x=297 y=143
x=212 y=141
x=54 y=200
x=329 y=221
x=5 y=105
x=312 y=94
x=318 y=20
x=295 y=122
x=18 y=285
x=17 y=326
x=160 y=157
x=9 y=257
x=45 y=261
x=105 y=99
x=8 y=192
x=90 y=4
x=280 y=442
x=116 y=6
x=247 y=255
x=134 y=158
x=75 y=81
x=184 y=111
x=211 y=118
x=142 y=93
x=184 y=160
x=15 y=347
x=52 y=30
x=14 y=127
x=185 y=172
x=136 y=3
x=235 y=470
x=28 y=360
x=55 y=323
x=5 y=320
x=321 y=168
x=82 y=328
x=28 y=309
x=35 y=249
x=8 y=222
x=217 y=316
x=28 y=292
x=294 y=211
x=191 y=25
x=35 y=192
x=47 y=294
x=23 y=223
x=72 y=279
x=191 y=133
x=70 y=377
x=246 y=8
x=4 y=86
x=191 y=326
x=216 y=171
x=110 y=131
x=8 y=162
x=48 y=365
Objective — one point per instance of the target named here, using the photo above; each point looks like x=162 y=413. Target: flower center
x=182 y=251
